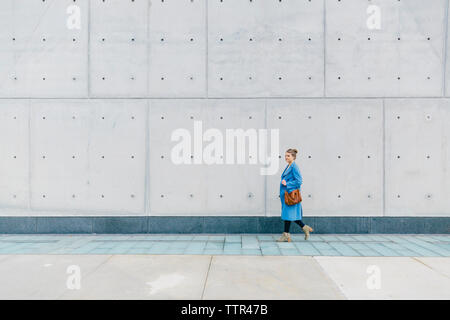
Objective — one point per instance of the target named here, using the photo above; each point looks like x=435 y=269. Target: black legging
x=287 y=224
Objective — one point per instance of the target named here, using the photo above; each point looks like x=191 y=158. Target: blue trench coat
x=293 y=181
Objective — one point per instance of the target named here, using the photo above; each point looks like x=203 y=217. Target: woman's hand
x=283 y=182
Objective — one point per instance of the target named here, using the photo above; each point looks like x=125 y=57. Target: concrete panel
x=355 y=275
x=268 y=278
x=177 y=49
x=7 y=68
x=94 y=156
x=14 y=171
x=159 y=277
x=417 y=157
x=44 y=276
x=265 y=48
x=235 y=189
x=340 y=144
x=40 y=56
x=200 y=189
x=402 y=58
x=171 y=186
x=447 y=63
x=118 y=48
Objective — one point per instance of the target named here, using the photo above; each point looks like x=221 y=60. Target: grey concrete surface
x=400 y=277
x=222 y=277
x=41 y=276
x=267 y=277
x=97 y=87
x=145 y=277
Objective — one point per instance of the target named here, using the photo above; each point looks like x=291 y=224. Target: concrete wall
x=86 y=114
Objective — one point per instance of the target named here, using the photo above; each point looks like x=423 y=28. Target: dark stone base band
x=193 y=224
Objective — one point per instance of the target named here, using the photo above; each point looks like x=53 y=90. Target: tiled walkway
x=370 y=245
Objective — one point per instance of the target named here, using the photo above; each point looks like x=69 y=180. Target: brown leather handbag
x=292 y=198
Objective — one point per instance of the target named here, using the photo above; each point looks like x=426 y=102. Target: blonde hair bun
x=293 y=152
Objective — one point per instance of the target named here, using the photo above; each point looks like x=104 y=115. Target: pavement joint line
x=206 y=278
x=417 y=259
x=329 y=277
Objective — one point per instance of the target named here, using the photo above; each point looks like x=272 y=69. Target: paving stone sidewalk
x=370 y=245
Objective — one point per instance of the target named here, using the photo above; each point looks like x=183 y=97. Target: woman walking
x=291 y=180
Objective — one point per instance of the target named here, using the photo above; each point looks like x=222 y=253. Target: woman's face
x=288 y=157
